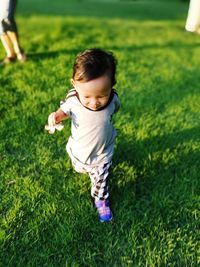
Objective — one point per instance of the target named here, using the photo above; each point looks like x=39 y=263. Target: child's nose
x=93 y=102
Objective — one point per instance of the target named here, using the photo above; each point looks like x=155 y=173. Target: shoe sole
x=107 y=220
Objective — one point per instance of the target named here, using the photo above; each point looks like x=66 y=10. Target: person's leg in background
x=13 y=36
x=10 y=53
x=9 y=33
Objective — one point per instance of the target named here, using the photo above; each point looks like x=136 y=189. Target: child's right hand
x=52 y=125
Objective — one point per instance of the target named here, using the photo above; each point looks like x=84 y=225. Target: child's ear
x=72 y=82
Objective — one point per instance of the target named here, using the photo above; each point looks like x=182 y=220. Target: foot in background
x=21 y=56
x=8 y=60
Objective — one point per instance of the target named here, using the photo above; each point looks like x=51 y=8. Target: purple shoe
x=103 y=208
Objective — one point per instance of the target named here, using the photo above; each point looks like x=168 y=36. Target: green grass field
x=47 y=218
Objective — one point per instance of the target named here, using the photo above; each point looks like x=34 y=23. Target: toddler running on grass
x=90 y=105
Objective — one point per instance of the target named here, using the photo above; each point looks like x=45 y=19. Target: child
x=90 y=105
x=9 y=34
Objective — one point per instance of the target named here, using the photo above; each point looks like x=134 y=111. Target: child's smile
x=94 y=94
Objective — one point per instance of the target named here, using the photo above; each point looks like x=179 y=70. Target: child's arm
x=60 y=115
x=55 y=121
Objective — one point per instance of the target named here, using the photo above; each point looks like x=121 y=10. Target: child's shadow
x=159 y=167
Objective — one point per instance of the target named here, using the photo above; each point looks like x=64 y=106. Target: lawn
x=47 y=218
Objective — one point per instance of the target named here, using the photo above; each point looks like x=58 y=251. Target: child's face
x=94 y=94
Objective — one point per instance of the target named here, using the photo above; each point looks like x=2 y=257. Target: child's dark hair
x=93 y=63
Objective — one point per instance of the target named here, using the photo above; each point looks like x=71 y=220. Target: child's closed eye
x=102 y=96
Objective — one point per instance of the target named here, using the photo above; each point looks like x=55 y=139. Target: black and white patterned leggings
x=99 y=178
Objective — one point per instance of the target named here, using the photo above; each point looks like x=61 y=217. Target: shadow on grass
x=53 y=54
x=170 y=45
x=137 y=10
x=50 y=54
x=172 y=173
x=37 y=56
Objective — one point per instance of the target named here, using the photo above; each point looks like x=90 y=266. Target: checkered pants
x=99 y=178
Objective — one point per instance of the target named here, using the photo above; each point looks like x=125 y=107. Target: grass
x=47 y=218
